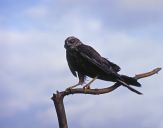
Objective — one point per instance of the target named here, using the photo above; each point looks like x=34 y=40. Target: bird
x=84 y=61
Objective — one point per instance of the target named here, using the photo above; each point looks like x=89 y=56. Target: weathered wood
x=59 y=96
x=60 y=110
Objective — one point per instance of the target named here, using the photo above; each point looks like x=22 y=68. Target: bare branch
x=154 y=71
x=91 y=91
x=108 y=89
x=59 y=96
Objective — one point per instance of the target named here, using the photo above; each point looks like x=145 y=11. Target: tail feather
x=130 y=81
x=130 y=88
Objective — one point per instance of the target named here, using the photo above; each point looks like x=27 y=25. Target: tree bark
x=59 y=106
x=59 y=96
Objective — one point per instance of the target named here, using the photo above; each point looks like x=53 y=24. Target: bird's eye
x=72 y=41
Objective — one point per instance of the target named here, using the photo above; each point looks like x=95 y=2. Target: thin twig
x=154 y=71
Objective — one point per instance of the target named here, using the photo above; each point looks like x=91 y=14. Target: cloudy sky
x=33 y=64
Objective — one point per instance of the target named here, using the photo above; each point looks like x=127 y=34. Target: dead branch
x=147 y=74
x=59 y=96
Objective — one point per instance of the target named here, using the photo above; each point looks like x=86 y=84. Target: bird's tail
x=127 y=81
x=130 y=81
x=128 y=86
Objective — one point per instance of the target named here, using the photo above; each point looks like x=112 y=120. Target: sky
x=33 y=64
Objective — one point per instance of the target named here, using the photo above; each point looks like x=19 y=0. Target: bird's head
x=72 y=42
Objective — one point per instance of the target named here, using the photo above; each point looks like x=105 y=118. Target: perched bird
x=85 y=61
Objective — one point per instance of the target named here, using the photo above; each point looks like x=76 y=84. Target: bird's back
x=92 y=64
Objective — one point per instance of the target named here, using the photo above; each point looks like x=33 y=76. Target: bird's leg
x=71 y=87
x=81 y=81
x=87 y=86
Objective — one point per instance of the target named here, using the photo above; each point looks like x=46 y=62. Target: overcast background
x=33 y=64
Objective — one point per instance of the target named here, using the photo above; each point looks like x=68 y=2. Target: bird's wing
x=93 y=57
x=70 y=61
x=115 y=67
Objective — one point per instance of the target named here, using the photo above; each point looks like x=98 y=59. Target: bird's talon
x=86 y=87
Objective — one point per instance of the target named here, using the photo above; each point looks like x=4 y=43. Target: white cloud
x=10 y=107
x=32 y=50
x=47 y=117
x=37 y=12
x=11 y=37
x=146 y=5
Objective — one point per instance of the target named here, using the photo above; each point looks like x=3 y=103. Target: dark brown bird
x=84 y=61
